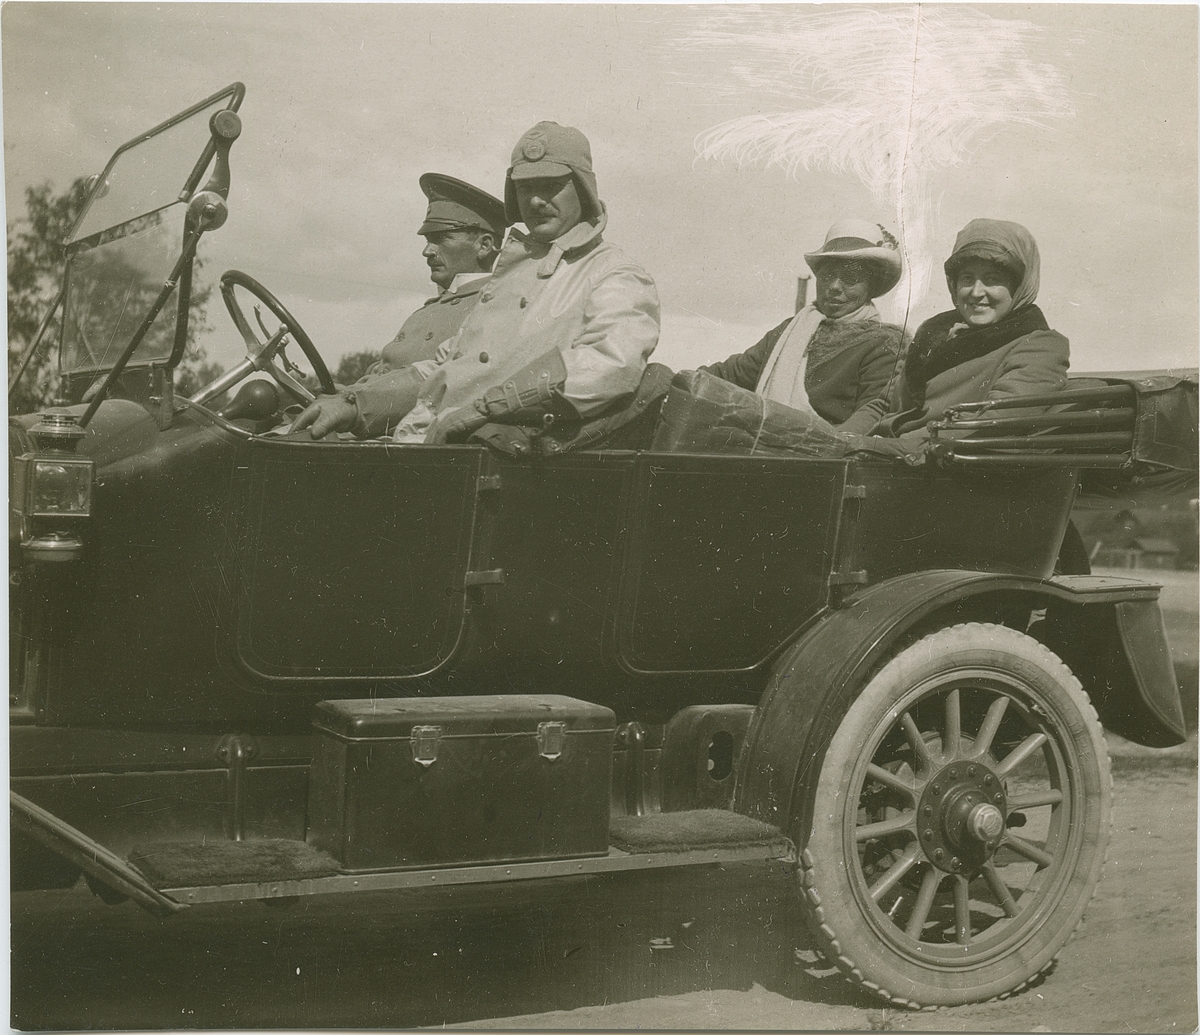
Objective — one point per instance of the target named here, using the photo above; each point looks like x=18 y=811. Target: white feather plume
x=893 y=95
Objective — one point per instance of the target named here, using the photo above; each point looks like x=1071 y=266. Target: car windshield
x=128 y=237
x=111 y=285
x=159 y=168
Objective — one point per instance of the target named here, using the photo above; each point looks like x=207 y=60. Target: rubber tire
x=844 y=933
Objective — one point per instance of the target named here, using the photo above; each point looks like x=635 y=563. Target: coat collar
x=943 y=342
x=581 y=238
x=458 y=286
x=471 y=287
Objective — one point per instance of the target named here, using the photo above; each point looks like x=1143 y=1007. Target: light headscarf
x=1009 y=246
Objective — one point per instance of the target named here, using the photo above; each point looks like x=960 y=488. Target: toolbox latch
x=551 y=738
x=425 y=741
x=492 y=577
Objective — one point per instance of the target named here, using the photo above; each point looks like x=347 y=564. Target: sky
x=347 y=104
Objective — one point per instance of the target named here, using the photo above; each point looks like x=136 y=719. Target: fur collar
x=943 y=341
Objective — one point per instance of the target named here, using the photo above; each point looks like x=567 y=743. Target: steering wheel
x=260 y=355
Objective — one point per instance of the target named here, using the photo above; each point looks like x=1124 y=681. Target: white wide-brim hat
x=859 y=240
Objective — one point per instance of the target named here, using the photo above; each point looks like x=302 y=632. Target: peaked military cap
x=455 y=205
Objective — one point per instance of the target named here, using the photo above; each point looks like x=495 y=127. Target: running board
x=615 y=861
x=90 y=856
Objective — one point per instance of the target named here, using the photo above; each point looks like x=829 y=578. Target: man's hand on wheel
x=325 y=415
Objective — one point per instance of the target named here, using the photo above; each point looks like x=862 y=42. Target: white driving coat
x=578 y=294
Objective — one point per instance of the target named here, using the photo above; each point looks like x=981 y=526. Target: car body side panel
x=134 y=623
x=557 y=529
x=1004 y=520
x=646 y=582
x=727 y=558
x=351 y=561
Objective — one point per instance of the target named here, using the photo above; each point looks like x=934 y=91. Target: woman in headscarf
x=835 y=357
x=994 y=344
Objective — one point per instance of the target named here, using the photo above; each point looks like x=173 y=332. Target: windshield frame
x=234 y=91
x=179 y=280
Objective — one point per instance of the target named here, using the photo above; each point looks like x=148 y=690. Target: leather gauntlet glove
x=527 y=397
x=383 y=401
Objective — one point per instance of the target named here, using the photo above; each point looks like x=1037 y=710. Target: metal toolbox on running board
x=402 y=783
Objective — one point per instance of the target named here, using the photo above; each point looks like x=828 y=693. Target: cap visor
x=539 y=170
x=441 y=226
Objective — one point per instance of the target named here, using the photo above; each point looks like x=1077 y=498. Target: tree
x=353 y=366
x=35 y=269
x=35 y=261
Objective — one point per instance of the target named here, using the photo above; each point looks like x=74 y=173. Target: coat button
x=400 y=336
x=455 y=301
x=485 y=297
x=524 y=302
x=483 y=357
x=428 y=335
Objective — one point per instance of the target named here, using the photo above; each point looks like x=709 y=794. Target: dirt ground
x=706 y=949
x=1130 y=968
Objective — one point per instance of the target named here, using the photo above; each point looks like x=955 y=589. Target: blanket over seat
x=705 y=414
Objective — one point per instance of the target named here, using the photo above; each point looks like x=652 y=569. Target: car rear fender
x=813 y=682
x=1119 y=652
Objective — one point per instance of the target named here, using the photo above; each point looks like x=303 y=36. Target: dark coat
x=849 y=367
x=1028 y=364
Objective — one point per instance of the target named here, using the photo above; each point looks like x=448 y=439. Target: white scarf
x=782 y=377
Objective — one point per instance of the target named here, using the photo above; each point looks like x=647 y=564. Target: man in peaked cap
x=463 y=230
x=562 y=332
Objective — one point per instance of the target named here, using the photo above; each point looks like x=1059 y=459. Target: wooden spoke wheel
x=960 y=820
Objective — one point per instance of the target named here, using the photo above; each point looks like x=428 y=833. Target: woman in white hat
x=835 y=357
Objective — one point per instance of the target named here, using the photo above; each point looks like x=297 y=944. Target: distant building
x=1142 y=552
x=1159 y=538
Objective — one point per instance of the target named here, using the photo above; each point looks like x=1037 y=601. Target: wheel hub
x=961 y=816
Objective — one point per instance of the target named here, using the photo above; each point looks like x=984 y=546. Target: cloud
x=347 y=104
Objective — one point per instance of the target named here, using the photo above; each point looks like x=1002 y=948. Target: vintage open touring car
x=248 y=665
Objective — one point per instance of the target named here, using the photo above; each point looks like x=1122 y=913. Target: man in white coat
x=563 y=330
